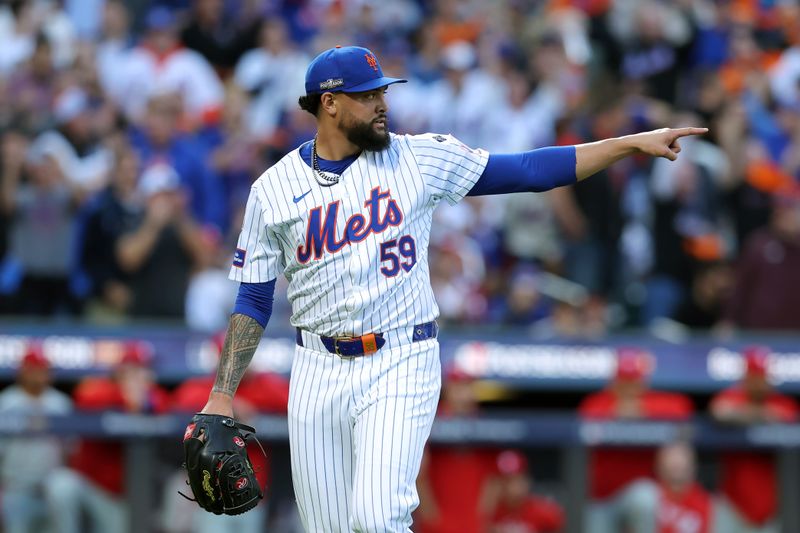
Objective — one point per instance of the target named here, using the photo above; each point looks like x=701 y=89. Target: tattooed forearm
x=241 y=342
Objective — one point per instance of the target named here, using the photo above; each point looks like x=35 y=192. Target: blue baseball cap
x=348 y=69
x=159 y=18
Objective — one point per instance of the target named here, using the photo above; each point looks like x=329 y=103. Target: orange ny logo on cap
x=372 y=61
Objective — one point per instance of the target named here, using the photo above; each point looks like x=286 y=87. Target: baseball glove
x=220 y=473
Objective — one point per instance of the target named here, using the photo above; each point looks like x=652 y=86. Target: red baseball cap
x=510 y=462
x=34 y=357
x=138 y=353
x=632 y=364
x=755 y=358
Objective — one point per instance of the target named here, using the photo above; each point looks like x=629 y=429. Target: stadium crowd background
x=130 y=137
x=132 y=130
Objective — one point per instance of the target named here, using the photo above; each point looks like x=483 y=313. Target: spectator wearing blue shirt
x=159 y=140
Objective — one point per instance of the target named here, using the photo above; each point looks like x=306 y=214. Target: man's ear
x=328 y=104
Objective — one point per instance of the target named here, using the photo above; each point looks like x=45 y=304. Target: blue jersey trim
x=255 y=300
x=336 y=167
x=537 y=171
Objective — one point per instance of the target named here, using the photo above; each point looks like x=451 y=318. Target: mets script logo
x=372 y=61
x=321 y=234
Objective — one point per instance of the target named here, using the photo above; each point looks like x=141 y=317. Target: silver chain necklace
x=326 y=179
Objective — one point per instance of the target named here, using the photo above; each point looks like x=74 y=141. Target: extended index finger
x=683 y=132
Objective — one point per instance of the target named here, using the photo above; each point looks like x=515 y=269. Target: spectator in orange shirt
x=257 y=393
x=95 y=483
x=749 y=500
x=614 y=498
x=519 y=511
x=452 y=483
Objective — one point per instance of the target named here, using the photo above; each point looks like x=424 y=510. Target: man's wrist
x=219 y=403
x=626 y=146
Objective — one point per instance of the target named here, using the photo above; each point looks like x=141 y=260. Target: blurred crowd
x=130 y=133
x=68 y=485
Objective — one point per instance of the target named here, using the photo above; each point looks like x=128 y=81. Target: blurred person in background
x=769 y=264
x=81 y=160
x=271 y=75
x=529 y=230
x=112 y=48
x=453 y=481
x=457 y=270
x=650 y=43
x=159 y=139
x=259 y=392
x=749 y=487
x=616 y=500
x=21 y=21
x=589 y=213
x=522 y=304
x=233 y=154
x=33 y=87
x=162 y=249
x=454 y=21
x=219 y=36
x=209 y=294
x=94 y=484
x=26 y=462
x=457 y=102
x=40 y=204
x=114 y=212
x=518 y=510
x=686 y=210
x=160 y=64
x=526 y=118
x=712 y=284
x=674 y=502
x=423 y=63
x=682 y=506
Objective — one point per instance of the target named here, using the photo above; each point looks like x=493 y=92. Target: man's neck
x=33 y=392
x=333 y=145
x=678 y=489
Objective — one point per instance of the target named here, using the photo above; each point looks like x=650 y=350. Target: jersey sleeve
x=258 y=257
x=449 y=167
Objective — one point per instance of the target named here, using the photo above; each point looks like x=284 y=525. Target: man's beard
x=363 y=135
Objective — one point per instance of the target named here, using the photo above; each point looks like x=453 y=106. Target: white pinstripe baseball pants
x=357 y=429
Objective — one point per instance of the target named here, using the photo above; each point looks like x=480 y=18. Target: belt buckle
x=336 y=347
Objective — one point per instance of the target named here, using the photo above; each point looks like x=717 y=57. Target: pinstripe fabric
x=345 y=293
x=357 y=430
x=357 y=427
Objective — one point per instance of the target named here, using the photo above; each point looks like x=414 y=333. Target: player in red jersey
x=453 y=479
x=683 y=505
x=612 y=470
x=749 y=502
x=95 y=483
x=517 y=510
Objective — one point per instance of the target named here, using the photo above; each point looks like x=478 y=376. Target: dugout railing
x=145 y=435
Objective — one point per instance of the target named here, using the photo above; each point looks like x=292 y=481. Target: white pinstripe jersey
x=355 y=253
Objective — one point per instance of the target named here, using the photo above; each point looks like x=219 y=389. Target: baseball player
x=346 y=218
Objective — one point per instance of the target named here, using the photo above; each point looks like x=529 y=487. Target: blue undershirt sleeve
x=255 y=301
x=534 y=171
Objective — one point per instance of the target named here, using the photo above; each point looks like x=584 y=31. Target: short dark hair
x=310 y=103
